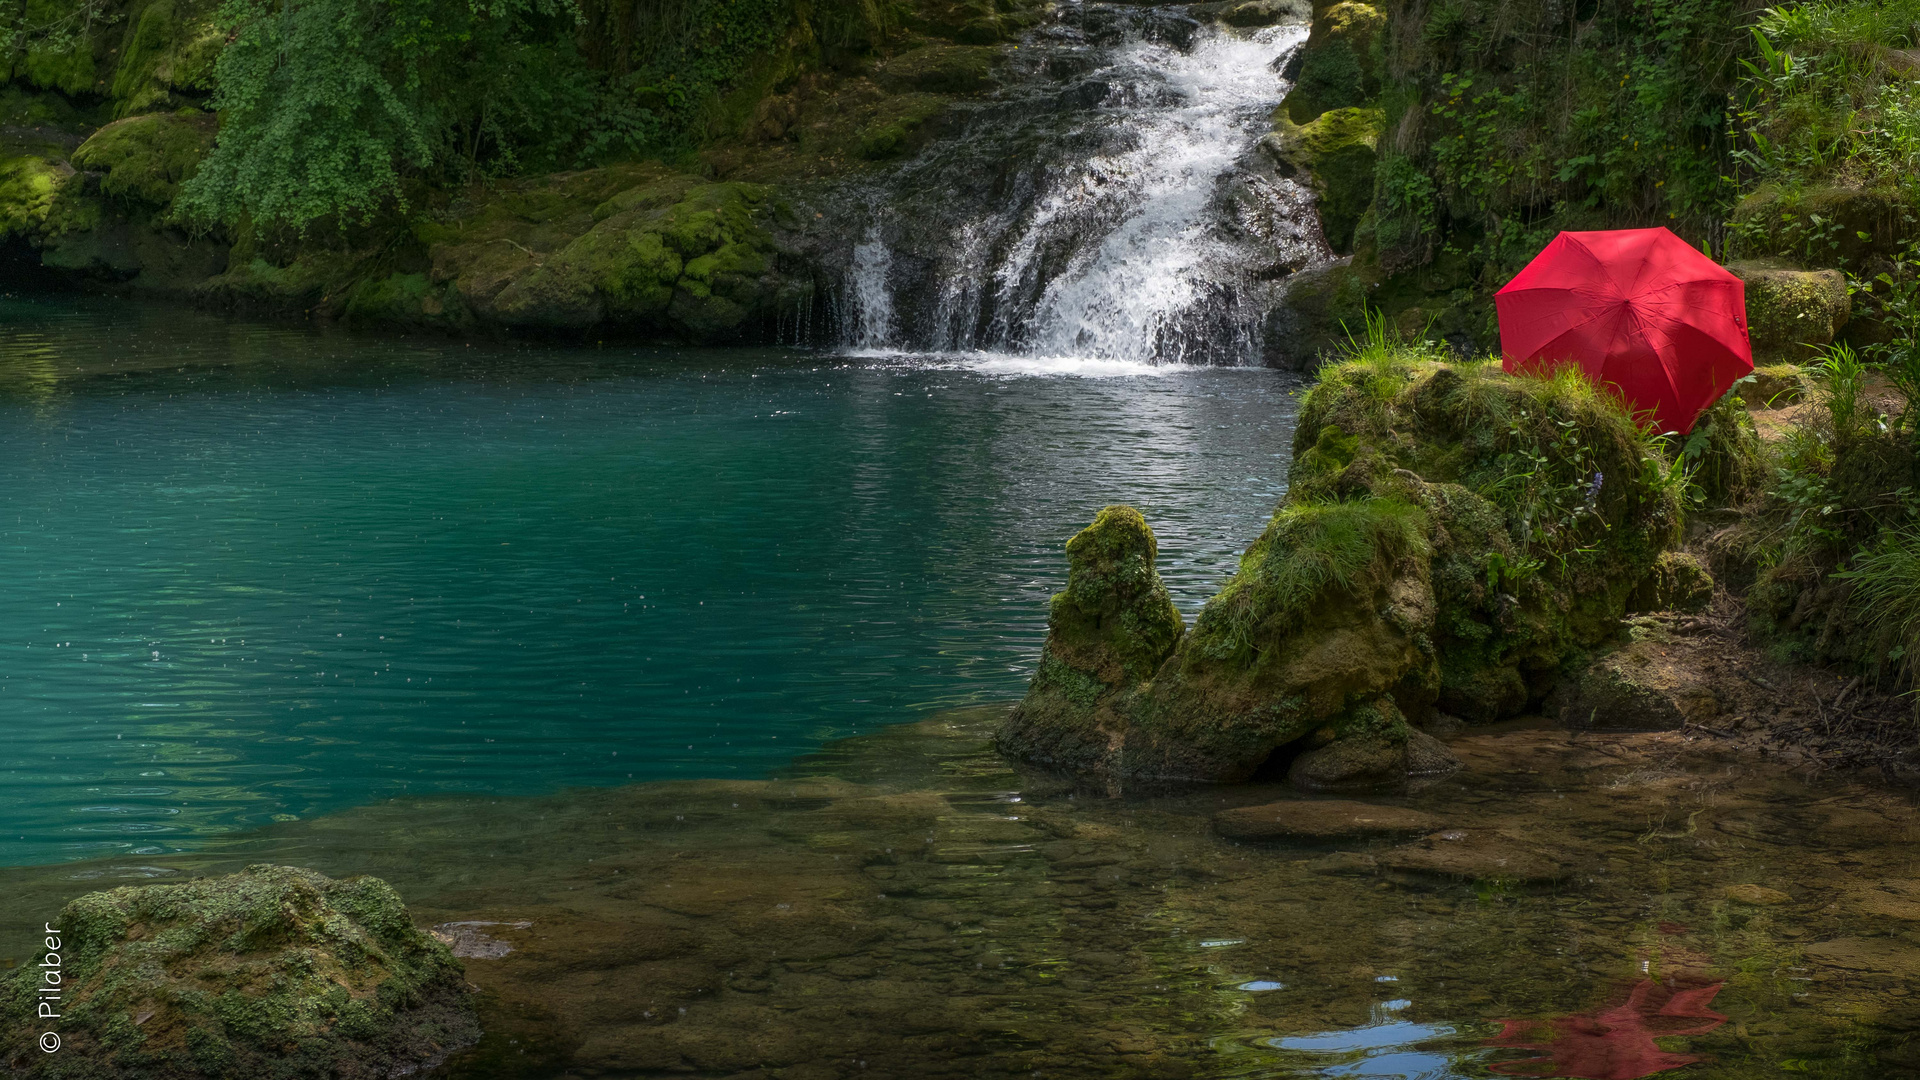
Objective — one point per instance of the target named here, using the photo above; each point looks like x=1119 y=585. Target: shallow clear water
x=256 y=573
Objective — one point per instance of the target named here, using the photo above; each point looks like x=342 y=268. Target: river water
x=255 y=574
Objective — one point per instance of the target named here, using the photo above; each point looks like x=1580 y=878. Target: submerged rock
x=1451 y=536
x=1321 y=820
x=274 y=972
x=1480 y=855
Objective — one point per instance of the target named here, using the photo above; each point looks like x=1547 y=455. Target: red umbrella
x=1641 y=309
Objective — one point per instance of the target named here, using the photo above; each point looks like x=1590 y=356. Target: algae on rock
x=1451 y=536
x=275 y=972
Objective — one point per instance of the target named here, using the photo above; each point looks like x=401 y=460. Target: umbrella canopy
x=1640 y=309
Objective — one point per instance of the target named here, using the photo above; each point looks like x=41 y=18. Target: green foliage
x=326 y=105
x=53 y=38
x=1894 y=297
x=1621 y=123
x=1829 y=95
x=1886 y=597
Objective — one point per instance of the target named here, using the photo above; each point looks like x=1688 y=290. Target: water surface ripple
x=257 y=573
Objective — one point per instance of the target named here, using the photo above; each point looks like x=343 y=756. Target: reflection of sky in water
x=1387 y=1046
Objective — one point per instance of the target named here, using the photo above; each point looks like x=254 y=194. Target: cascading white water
x=873 y=320
x=1134 y=237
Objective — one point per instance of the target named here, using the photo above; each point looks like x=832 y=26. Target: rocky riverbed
x=907 y=903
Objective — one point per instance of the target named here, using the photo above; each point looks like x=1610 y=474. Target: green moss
x=1336 y=154
x=1311 y=553
x=1792 y=313
x=166 y=57
x=893 y=133
x=28 y=187
x=274 y=972
x=940 y=69
x=1336 y=66
x=1107 y=632
x=1451 y=535
x=146 y=158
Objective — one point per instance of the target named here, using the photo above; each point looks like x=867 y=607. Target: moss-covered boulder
x=1107 y=632
x=146 y=158
x=1335 y=155
x=1451 y=536
x=1792 y=313
x=1335 y=69
x=1772 y=386
x=273 y=973
x=1679 y=581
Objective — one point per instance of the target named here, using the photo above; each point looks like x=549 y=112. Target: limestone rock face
x=1791 y=313
x=275 y=972
x=1107 y=632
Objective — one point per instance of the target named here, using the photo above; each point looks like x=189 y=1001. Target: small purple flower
x=1593 y=489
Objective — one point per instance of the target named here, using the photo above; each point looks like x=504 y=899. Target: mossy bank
x=684 y=217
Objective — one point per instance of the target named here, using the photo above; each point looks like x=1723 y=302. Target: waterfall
x=873 y=321
x=1111 y=204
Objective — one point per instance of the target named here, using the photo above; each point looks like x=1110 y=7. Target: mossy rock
x=1792 y=314
x=940 y=69
x=1678 y=582
x=147 y=158
x=30 y=184
x=1451 y=535
x=1836 y=225
x=1772 y=386
x=973 y=22
x=1321 y=311
x=1107 y=632
x=897 y=129
x=166 y=57
x=669 y=254
x=405 y=300
x=1335 y=69
x=1335 y=154
x=1256 y=13
x=275 y=972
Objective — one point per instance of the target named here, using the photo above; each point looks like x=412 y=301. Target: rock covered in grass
x=274 y=973
x=1107 y=632
x=1451 y=537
